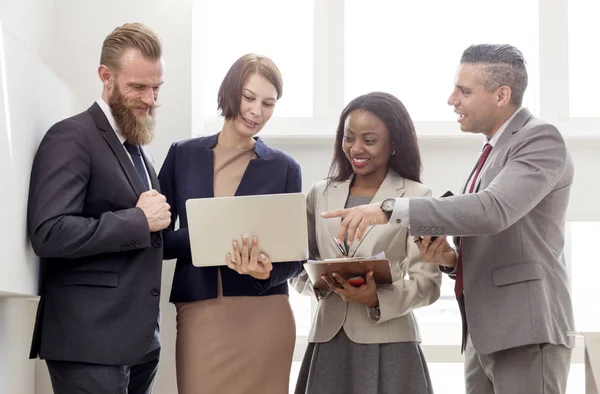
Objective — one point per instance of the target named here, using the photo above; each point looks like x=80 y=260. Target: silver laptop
x=278 y=220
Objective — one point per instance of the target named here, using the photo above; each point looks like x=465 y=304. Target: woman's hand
x=366 y=294
x=249 y=261
x=438 y=252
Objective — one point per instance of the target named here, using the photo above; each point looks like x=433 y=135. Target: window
x=584 y=261
x=405 y=49
x=280 y=30
x=440 y=323
x=584 y=59
x=301 y=305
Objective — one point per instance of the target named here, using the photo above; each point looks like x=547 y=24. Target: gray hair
x=505 y=66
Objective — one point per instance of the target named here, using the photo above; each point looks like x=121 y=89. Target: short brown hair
x=230 y=92
x=130 y=36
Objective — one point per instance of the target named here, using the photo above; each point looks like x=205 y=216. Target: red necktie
x=458 y=284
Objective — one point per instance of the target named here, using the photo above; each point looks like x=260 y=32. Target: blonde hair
x=130 y=36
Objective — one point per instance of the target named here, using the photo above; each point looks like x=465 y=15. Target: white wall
x=32 y=98
x=17 y=373
x=30 y=22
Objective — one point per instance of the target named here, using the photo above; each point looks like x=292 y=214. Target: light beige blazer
x=416 y=283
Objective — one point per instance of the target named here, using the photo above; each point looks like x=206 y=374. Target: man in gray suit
x=94 y=217
x=511 y=279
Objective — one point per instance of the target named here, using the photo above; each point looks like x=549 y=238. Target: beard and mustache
x=138 y=130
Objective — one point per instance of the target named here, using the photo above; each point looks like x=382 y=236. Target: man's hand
x=439 y=251
x=157 y=211
x=356 y=220
x=366 y=294
x=248 y=261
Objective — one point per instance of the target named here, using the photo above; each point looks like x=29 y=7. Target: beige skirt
x=235 y=345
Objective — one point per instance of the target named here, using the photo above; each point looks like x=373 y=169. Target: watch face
x=388 y=205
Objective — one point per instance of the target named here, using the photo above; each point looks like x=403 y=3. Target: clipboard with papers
x=349 y=267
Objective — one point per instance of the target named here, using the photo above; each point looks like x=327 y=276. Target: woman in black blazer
x=235 y=327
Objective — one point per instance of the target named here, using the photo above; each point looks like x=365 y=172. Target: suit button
x=398 y=221
x=136 y=244
x=155 y=292
x=421 y=229
x=440 y=230
x=156 y=243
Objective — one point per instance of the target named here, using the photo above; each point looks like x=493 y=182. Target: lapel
x=110 y=137
x=255 y=169
x=205 y=167
x=151 y=172
x=503 y=142
x=466 y=183
x=337 y=194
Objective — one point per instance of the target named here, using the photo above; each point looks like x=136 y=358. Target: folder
x=348 y=268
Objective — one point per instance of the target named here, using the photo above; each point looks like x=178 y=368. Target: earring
x=393 y=152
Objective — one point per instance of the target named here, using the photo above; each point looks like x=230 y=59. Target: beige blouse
x=230 y=166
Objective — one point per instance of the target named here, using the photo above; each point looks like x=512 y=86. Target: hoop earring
x=393 y=152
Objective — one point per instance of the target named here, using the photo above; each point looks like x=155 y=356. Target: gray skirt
x=341 y=366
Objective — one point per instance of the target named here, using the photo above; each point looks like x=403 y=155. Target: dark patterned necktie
x=138 y=162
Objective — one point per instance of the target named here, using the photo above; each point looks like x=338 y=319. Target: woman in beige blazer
x=365 y=339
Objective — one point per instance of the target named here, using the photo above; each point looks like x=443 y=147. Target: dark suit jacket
x=100 y=265
x=188 y=173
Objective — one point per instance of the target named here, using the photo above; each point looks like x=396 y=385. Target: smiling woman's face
x=258 y=100
x=366 y=143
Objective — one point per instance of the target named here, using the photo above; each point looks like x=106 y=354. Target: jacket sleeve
x=281 y=272
x=176 y=242
x=420 y=288
x=535 y=163
x=56 y=223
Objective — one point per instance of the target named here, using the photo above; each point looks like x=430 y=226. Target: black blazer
x=100 y=265
x=188 y=172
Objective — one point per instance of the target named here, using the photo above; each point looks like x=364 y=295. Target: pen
x=339 y=247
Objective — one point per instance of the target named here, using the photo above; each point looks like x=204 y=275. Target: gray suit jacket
x=100 y=265
x=416 y=283
x=516 y=285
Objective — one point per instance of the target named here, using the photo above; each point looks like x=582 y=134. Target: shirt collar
x=496 y=136
x=261 y=150
x=111 y=119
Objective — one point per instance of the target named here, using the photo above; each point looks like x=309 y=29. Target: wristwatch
x=387 y=206
x=375 y=313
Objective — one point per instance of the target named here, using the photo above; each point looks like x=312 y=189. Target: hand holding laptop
x=249 y=260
